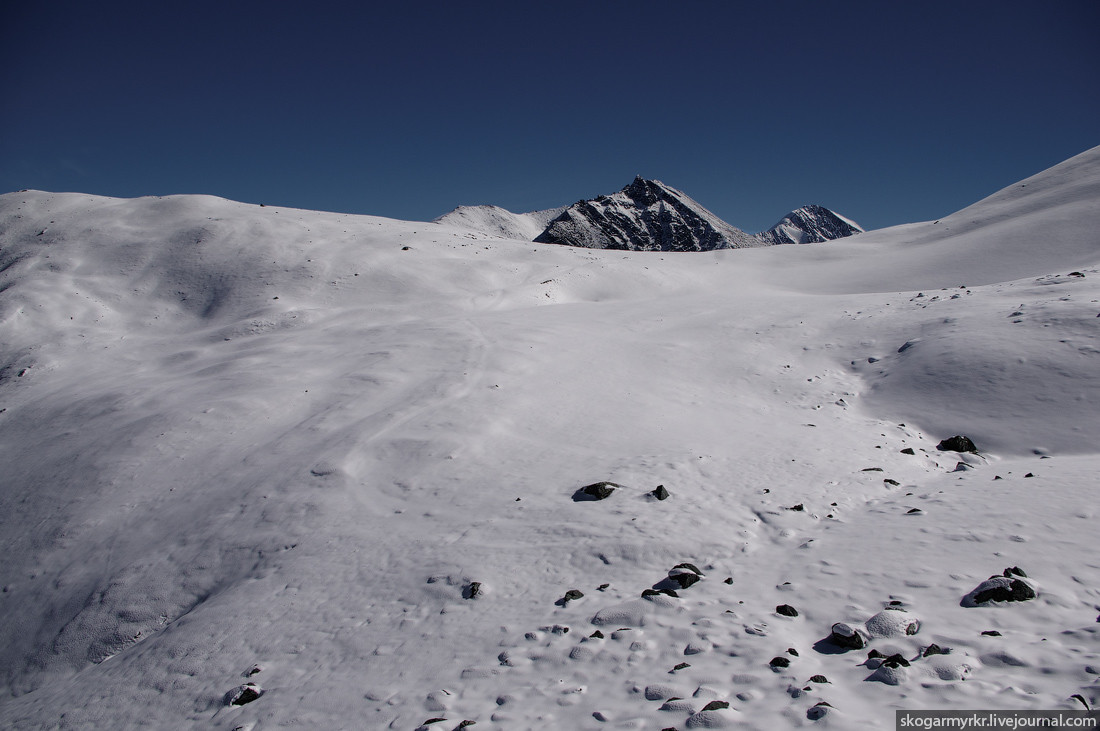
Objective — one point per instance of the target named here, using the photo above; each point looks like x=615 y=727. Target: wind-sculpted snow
x=334 y=457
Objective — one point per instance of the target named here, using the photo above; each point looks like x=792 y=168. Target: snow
x=261 y=445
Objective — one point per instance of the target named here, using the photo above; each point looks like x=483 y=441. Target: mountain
x=646 y=215
x=499 y=222
x=809 y=225
x=336 y=456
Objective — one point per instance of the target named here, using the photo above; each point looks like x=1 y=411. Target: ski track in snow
x=249 y=444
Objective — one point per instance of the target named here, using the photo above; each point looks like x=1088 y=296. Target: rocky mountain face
x=809 y=225
x=646 y=215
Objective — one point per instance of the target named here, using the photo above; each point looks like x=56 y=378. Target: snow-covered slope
x=336 y=456
x=810 y=225
x=499 y=222
x=646 y=215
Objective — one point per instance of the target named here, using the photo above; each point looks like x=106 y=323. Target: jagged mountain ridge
x=646 y=215
x=810 y=225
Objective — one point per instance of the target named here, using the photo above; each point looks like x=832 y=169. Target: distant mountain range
x=647 y=215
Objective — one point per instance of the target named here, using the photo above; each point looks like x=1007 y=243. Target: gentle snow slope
x=237 y=436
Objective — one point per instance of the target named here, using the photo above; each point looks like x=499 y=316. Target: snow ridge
x=496 y=221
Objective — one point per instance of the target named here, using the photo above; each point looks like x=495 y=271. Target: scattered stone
x=991 y=633
x=847 y=637
x=1014 y=571
x=683 y=575
x=243 y=694
x=681 y=666
x=716 y=706
x=689 y=566
x=895 y=483
x=793 y=652
x=935 y=649
x=786 y=610
x=597 y=635
x=779 y=662
x=873 y=654
x=571 y=595
x=728 y=580
x=908 y=450
x=957 y=444
x=819 y=711
x=818 y=679
x=1079 y=697
x=472 y=590
x=595 y=491
x=1030 y=474
x=913 y=511
x=872 y=469
x=464 y=724
x=660 y=493
x=895 y=661
x=799 y=508
x=601 y=587
x=1075 y=274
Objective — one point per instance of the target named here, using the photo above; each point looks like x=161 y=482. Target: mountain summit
x=646 y=215
x=810 y=225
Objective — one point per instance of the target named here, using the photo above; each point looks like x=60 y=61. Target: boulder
x=957 y=443
x=595 y=491
x=999 y=589
x=847 y=637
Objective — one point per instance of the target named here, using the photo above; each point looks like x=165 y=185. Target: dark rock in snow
x=894 y=483
x=571 y=595
x=797 y=508
x=660 y=493
x=786 y=610
x=780 y=662
x=819 y=711
x=1014 y=571
x=818 y=679
x=471 y=590
x=847 y=637
x=999 y=589
x=908 y=450
x=935 y=649
x=895 y=661
x=716 y=706
x=957 y=444
x=595 y=491
x=243 y=694
x=991 y=633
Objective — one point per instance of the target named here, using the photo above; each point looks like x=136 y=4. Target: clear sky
x=407 y=109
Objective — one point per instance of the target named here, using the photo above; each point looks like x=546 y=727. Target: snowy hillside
x=811 y=224
x=646 y=215
x=499 y=222
x=341 y=458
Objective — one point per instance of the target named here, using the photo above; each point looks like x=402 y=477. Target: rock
x=571 y=595
x=893 y=483
x=597 y=635
x=819 y=711
x=243 y=694
x=683 y=575
x=935 y=649
x=716 y=706
x=991 y=633
x=471 y=590
x=896 y=661
x=780 y=662
x=786 y=610
x=595 y=491
x=999 y=589
x=681 y=666
x=908 y=450
x=798 y=508
x=689 y=566
x=847 y=637
x=957 y=444
x=818 y=679
x=660 y=493
x=892 y=623
x=1014 y=571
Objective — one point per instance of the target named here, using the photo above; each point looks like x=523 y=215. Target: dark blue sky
x=886 y=114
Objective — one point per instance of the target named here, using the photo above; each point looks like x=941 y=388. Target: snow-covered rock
x=809 y=225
